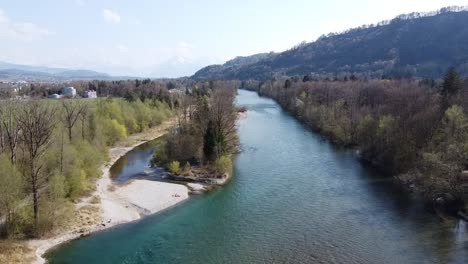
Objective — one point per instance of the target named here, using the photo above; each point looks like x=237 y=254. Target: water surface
x=294 y=198
x=136 y=163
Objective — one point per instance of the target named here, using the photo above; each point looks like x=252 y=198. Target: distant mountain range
x=15 y=72
x=411 y=45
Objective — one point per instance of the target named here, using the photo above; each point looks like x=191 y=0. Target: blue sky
x=156 y=38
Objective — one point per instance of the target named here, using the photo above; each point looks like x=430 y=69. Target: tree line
x=145 y=89
x=51 y=152
x=414 y=130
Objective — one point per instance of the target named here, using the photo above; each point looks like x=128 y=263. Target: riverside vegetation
x=201 y=145
x=51 y=153
x=415 y=130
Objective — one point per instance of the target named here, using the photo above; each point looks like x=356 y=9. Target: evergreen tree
x=209 y=142
x=452 y=83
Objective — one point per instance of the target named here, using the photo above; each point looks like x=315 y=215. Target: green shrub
x=91 y=158
x=187 y=167
x=77 y=182
x=223 y=164
x=58 y=187
x=174 y=167
x=114 y=132
x=160 y=155
x=11 y=193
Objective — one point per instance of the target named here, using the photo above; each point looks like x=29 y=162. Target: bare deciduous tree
x=73 y=109
x=10 y=128
x=223 y=116
x=83 y=117
x=36 y=121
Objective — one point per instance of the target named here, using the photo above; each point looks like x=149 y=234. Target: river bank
x=112 y=204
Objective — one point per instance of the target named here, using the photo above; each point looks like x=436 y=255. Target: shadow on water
x=136 y=163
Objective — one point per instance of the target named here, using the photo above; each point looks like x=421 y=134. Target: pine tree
x=209 y=142
x=452 y=83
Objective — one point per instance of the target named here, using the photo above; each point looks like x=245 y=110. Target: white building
x=69 y=92
x=90 y=94
x=55 y=96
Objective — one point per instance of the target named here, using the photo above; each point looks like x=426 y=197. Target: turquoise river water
x=294 y=198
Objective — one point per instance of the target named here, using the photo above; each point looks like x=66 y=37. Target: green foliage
x=209 y=142
x=386 y=127
x=207 y=126
x=77 y=182
x=454 y=127
x=160 y=155
x=58 y=187
x=22 y=224
x=11 y=190
x=120 y=118
x=223 y=165
x=187 y=167
x=174 y=167
x=114 y=131
x=91 y=158
x=450 y=141
x=452 y=83
x=68 y=166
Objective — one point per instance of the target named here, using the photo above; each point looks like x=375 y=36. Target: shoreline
x=120 y=204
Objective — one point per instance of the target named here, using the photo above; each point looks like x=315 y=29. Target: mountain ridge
x=410 y=45
x=13 y=72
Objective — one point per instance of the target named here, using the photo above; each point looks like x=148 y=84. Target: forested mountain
x=236 y=64
x=412 y=45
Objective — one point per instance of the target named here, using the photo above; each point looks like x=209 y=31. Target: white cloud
x=23 y=31
x=111 y=16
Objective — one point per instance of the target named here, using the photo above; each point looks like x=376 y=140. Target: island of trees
x=200 y=148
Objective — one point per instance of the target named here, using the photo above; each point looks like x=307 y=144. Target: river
x=294 y=198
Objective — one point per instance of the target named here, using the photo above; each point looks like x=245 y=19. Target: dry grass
x=149 y=133
x=86 y=218
x=95 y=200
x=15 y=252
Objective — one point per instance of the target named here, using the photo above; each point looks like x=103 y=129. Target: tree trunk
x=13 y=155
x=35 y=205
x=35 y=194
x=70 y=133
x=2 y=143
x=83 y=128
x=61 y=154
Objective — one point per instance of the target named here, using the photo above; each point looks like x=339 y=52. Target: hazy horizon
x=157 y=39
